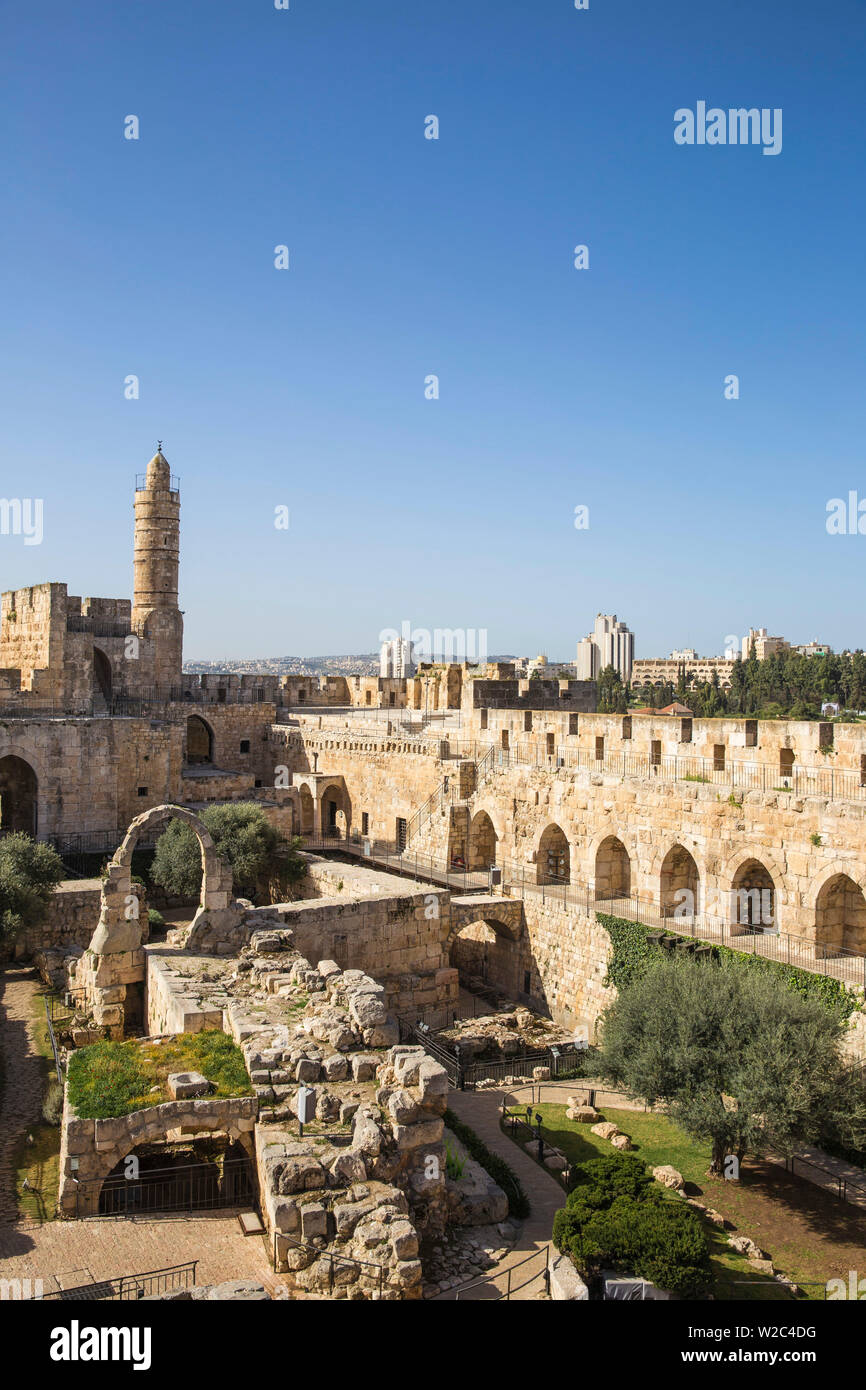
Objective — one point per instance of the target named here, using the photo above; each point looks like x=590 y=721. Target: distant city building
x=664 y=670
x=764 y=645
x=814 y=649
x=395 y=659
x=609 y=644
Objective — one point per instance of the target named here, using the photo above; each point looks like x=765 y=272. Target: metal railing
x=818 y=958
x=189 y=1187
x=58 y=1062
x=846 y=784
x=516 y=1277
x=378 y=1274
x=130 y=1286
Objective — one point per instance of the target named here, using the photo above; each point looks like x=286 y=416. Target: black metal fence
x=130 y=1286
x=465 y=1071
x=187 y=1187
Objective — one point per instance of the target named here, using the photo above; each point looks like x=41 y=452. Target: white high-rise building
x=609 y=644
x=395 y=659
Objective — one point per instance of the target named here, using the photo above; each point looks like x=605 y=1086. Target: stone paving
x=522 y=1269
x=65 y=1254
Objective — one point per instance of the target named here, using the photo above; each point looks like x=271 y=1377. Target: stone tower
x=155 y=614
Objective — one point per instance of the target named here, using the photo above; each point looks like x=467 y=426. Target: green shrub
x=617 y=1217
x=155 y=918
x=29 y=873
x=243 y=837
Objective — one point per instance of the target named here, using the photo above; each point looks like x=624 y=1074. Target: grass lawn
x=115 y=1078
x=809 y=1234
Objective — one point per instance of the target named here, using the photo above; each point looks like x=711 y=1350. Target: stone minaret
x=155 y=614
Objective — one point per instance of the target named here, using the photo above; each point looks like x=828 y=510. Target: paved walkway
x=21 y=1097
x=66 y=1254
x=480 y=1110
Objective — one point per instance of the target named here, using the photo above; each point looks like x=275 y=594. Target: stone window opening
x=718 y=757
x=626 y=728
x=599 y=747
x=656 y=752
x=245 y=745
x=527 y=722
x=786 y=762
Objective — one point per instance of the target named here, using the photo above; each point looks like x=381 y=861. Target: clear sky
x=408 y=257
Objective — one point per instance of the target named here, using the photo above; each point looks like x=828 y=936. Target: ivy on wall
x=633 y=953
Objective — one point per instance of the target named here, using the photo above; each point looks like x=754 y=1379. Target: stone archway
x=612 y=869
x=753 y=898
x=199 y=742
x=482 y=842
x=553 y=857
x=116 y=932
x=483 y=951
x=840 y=916
x=102 y=676
x=679 y=884
x=335 y=809
x=19 y=795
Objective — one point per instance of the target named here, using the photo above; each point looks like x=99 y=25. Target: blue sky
x=409 y=256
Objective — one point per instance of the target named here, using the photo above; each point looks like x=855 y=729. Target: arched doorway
x=19 y=790
x=612 y=869
x=102 y=677
x=553 y=860
x=199 y=742
x=679 y=884
x=840 y=916
x=336 y=810
x=482 y=842
x=753 y=898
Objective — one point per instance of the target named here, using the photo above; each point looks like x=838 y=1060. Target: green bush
x=616 y=1217
x=155 y=918
x=29 y=873
x=243 y=837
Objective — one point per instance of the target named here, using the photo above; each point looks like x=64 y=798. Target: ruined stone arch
x=553 y=855
x=488 y=949
x=117 y=931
